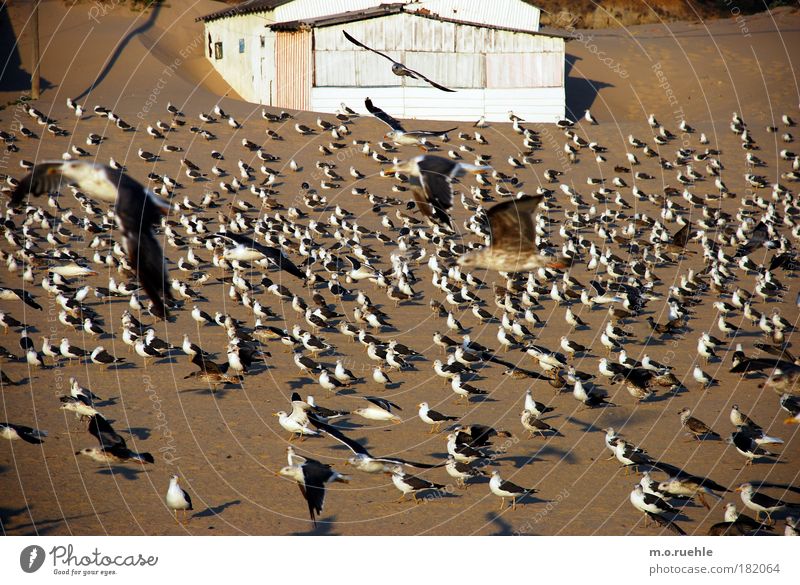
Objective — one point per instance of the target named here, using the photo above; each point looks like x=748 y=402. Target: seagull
x=747 y=444
x=411 y=484
x=294 y=427
x=762 y=503
x=177 y=498
x=14 y=432
x=432 y=417
x=431 y=179
x=380 y=409
x=652 y=506
x=533 y=425
x=398 y=68
x=311 y=477
x=696 y=427
x=400 y=135
x=247 y=249
x=507 y=489
x=512 y=236
x=461 y=471
x=112 y=448
x=138 y=211
x=101 y=357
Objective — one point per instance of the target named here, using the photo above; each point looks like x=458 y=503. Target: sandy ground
x=227 y=446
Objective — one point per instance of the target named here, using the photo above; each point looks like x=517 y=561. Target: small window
x=241 y=45
x=218 y=51
x=263 y=42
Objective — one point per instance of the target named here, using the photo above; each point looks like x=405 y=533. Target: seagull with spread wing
x=246 y=249
x=138 y=212
x=512 y=236
x=400 y=135
x=398 y=68
x=431 y=179
x=362 y=459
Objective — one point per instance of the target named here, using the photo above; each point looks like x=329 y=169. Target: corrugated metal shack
x=306 y=63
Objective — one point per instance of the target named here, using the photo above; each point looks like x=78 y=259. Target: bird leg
x=513 y=504
x=703 y=501
x=502 y=503
x=402 y=497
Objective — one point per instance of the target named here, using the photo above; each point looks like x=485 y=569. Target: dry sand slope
x=227 y=446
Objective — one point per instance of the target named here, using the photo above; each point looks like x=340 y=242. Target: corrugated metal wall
x=508 y=13
x=293 y=70
x=455 y=55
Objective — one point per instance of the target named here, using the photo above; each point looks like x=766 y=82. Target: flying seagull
x=311 y=477
x=112 y=447
x=247 y=249
x=431 y=179
x=138 y=211
x=512 y=236
x=398 y=134
x=398 y=68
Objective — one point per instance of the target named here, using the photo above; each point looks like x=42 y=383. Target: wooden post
x=35 y=77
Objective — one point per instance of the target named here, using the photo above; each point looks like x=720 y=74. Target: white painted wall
x=544 y=105
x=251 y=72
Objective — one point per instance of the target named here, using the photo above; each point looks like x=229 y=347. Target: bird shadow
x=216 y=510
x=502 y=528
x=322 y=528
x=140 y=433
x=127 y=473
x=300 y=383
x=519 y=461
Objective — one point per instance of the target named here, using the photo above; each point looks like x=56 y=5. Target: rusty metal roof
x=386 y=10
x=341 y=18
x=248 y=7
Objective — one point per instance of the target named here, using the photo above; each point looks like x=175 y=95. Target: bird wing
x=383 y=116
x=382 y=403
x=45 y=178
x=363 y=46
x=273 y=255
x=681 y=237
x=138 y=211
x=757 y=237
x=314 y=476
x=420 y=76
x=435 y=197
x=102 y=430
x=511 y=223
x=335 y=433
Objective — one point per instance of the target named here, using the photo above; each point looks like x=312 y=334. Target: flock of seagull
x=495 y=264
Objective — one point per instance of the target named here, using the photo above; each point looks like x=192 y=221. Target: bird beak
x=791 y=421
x=738 y=489
x=557 y=265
